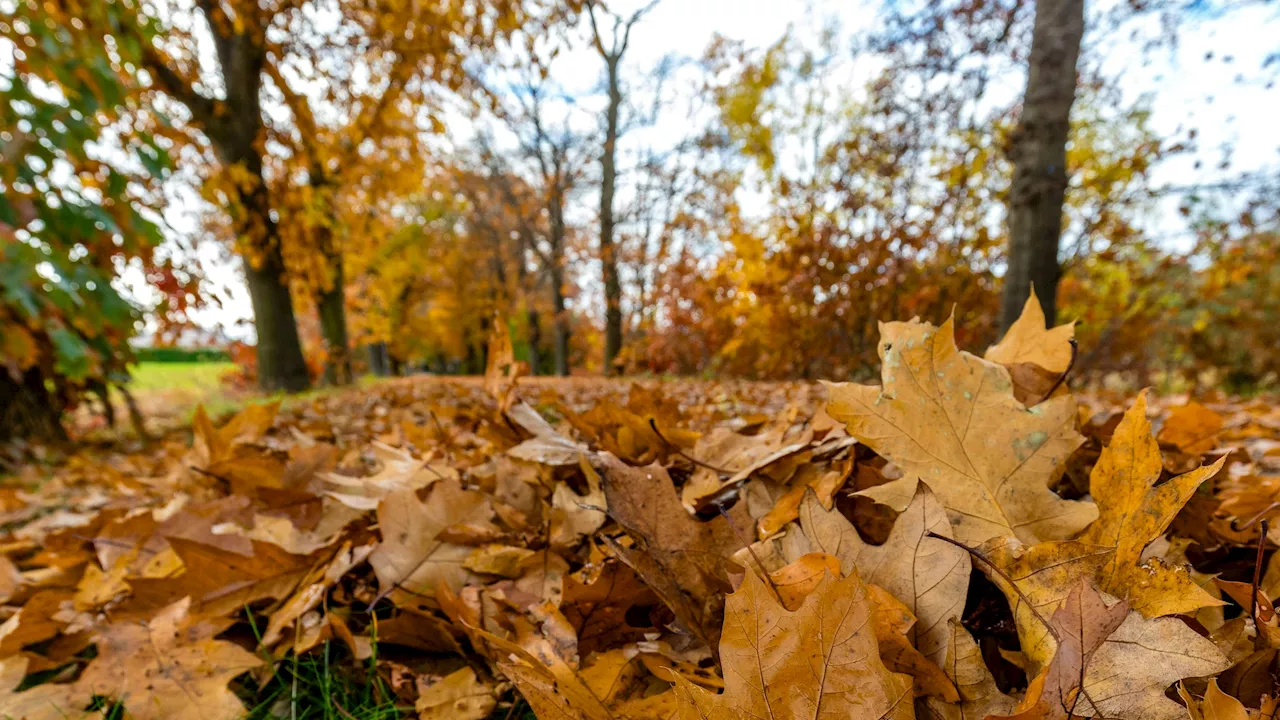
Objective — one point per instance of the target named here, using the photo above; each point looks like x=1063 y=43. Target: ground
x=366 y=552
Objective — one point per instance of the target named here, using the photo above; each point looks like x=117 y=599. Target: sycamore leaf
x=979 y=696
x=951 y=419
x=817 y=662
x=684 y=561
x=1029 y=341
x=1081 y=624
x=170 y=668
x=413 y=559
x=1133 y=511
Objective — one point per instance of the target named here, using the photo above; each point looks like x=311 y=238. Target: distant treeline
x=177 y=354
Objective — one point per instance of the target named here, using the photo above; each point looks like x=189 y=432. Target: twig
x=1075 y=351
x=1004 y=576
x=1257 y=576
x=653 y=424
x=742 y=539
x=514 y=704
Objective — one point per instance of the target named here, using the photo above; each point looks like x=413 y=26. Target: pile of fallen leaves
x=964 y=540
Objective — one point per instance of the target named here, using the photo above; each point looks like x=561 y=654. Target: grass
x=196 y=376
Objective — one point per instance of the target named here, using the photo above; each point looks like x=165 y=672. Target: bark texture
x=1039 y=152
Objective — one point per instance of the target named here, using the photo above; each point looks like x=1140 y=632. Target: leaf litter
x=967 y=539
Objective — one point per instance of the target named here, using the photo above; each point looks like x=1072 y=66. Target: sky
x=1194 y=84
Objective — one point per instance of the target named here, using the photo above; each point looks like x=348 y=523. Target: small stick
x=653 y=424
x=763 y=572
x=1257 y=575
x=1075 y=350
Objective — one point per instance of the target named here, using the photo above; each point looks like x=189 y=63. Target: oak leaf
x=684 y=561
x=929 y=576
x=170 y=668
x=817 y=662
x=951 y=419
x=1133 y=511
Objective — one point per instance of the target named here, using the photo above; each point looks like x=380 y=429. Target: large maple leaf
x=951 y=419
x=821 y=661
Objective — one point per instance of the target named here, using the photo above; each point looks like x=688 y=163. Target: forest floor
x=468 y=548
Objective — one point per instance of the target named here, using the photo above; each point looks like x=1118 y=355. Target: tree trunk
x=379 y=359
x=27 y=410
x=280 y=362
x=608 y=251
x=1040 y=160
x=560 y=349
x=535 y=339
x=332 y=308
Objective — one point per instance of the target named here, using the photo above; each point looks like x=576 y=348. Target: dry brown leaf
x=979 y=696
x=502 y=370
x=1192 y=429
x=1029 y=341
x=575 y=516
x=1042 y=576
x=218 y=580
x=42 y=702
x=457 y=696
x=686 y=562
x=820 y=661
x=1133 y=511
x=1215 y=705
x=951 y=419
x=170 y=668
x=795 y=581
x=412 y=559
x=929 y=576
x=1081 y=624
x=311 y=590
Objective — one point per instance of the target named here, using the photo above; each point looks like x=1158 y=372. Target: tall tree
x=611 y=53
x=233 y=125
x=1039 y=155
x=71 y=215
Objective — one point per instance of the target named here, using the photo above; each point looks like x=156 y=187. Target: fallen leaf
x=412 y=559
x=951 y=419
x=686 y=562
x=169 y=668
x=1081 y=624
x=819 y=661
x=1029 y=341
x=1133 y=510
x=457 y=696
x=979 y=696
x=1192 y=429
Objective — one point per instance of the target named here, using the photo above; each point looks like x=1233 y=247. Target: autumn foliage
x=966 y=539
